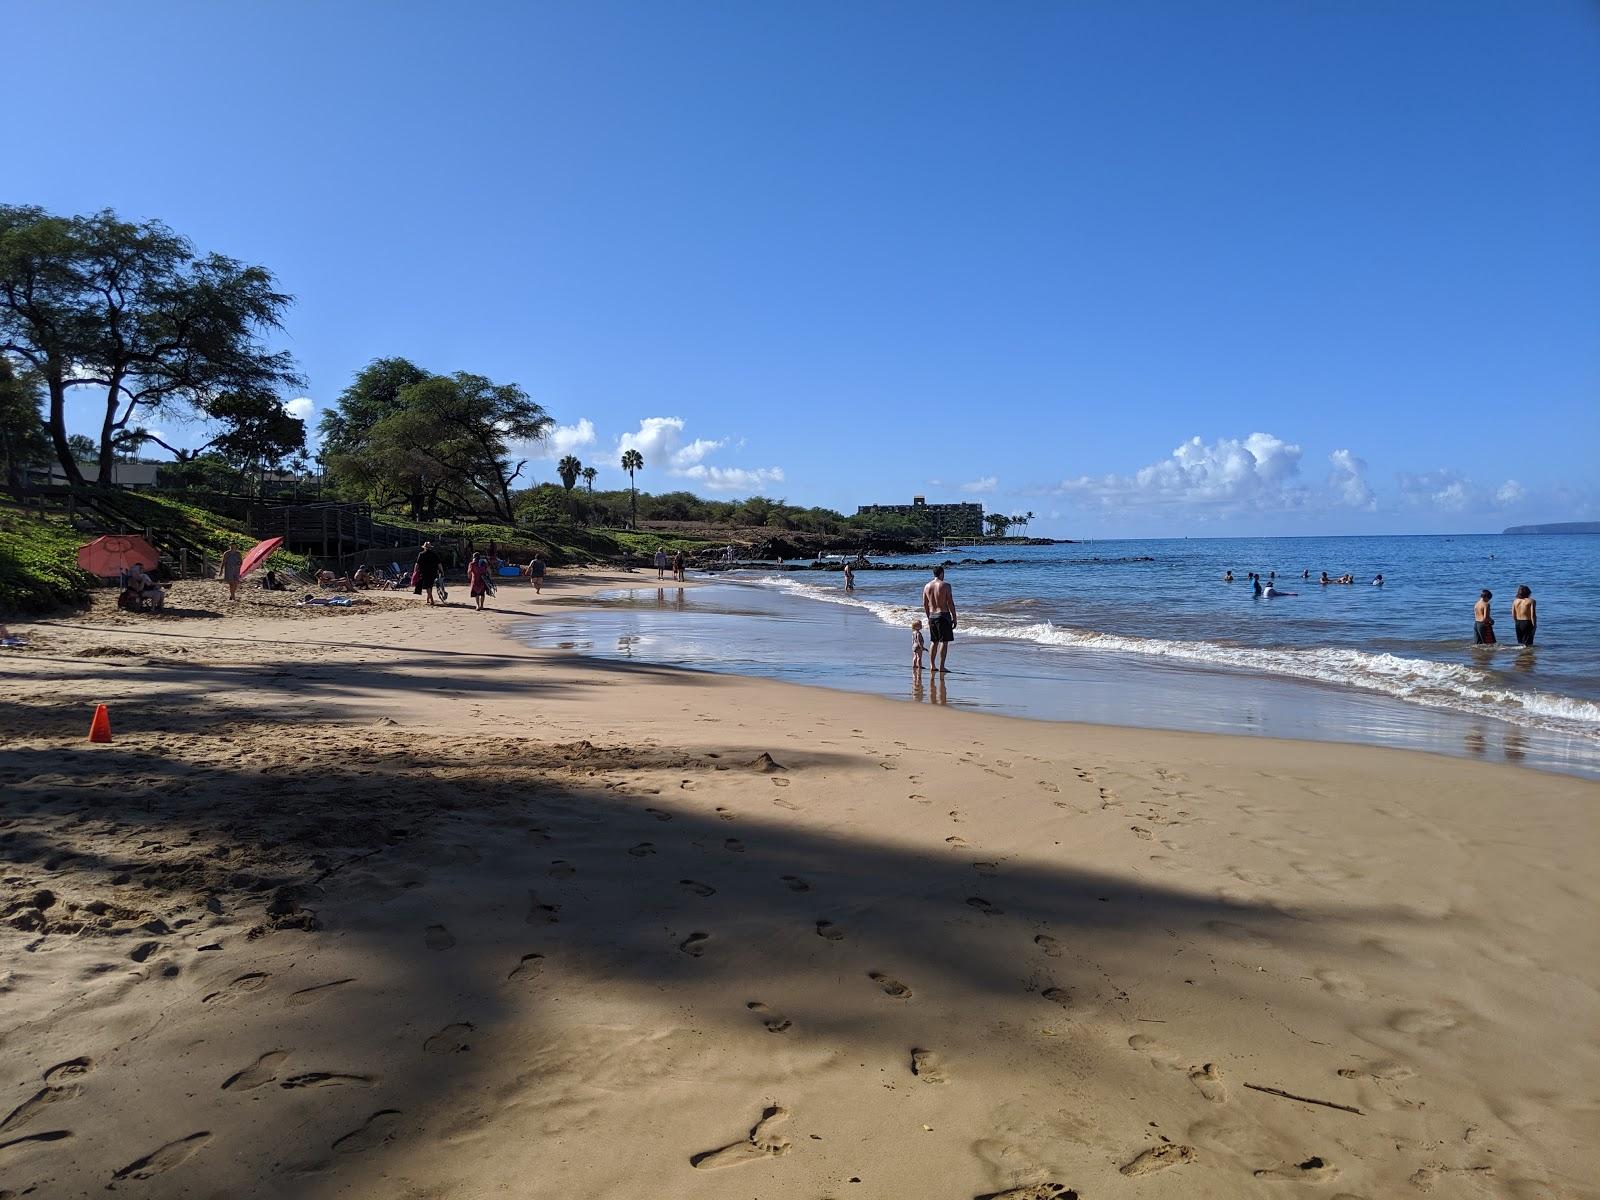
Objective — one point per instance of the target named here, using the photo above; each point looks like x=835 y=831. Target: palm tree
x=632 y=461
x=998 y=523
x=588 y=474
x=569 y=468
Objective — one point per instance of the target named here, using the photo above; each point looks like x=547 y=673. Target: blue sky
x=1142 y=268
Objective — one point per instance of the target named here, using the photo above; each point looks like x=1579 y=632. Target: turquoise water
x=1145 y=633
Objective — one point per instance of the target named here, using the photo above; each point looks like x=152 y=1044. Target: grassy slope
x=38 y=563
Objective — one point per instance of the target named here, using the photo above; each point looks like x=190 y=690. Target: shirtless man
x=1483 y=620
x=940 y=607
x=1525 y=614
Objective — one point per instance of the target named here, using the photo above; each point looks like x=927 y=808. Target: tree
x=443 y=438
x=1021 y=519
x=82 y=448
x=588 y=474
x=632 y=461
x=95 y=301
x=23 y=440
x=569 y=468
x=998 y=524
x=252 y=432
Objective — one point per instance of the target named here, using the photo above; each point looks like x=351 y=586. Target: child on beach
x=918 y=646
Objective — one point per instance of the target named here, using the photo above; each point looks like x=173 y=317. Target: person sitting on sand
x=144 y=589
x=1525 y=614
x=1483 y=620
x=478 y=579
x=917 y=645
x=271 y=583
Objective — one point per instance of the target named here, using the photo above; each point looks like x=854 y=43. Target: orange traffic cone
x=100 y=727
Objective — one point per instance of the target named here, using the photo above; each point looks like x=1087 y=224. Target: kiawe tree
x=632 y=461
x=131 y=310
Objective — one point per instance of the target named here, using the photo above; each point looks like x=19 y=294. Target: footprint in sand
x=263 y=1071
x=379 y=1128
x=1141 y=832
x=642 y=850
x=530 y=966
x=983 y=906
x=561 y=869
x=143 y=951
x=1158 y=1054
x=780 y=783
x=733 y=846
x=541 y=914
x=1033 y=1191
x=695 y=944
x=36 y=1104
x=986 y=868
x=827 y=929
x=1049 y=787
x=658 y=814
x=796 y=884
x=761 y=1142
x=252 y=981
x=73 y=1068
x=1051 y=946
x=1341 y=984
x=774 y=1022
x=1058 y=996
x=452 y=1039
x=325 y=1079
x=1159 y=1158
x=892 y=988
x=1312 y=1170
x=50 y=1135
x=307 y=995
x=165 y=1158
x=699 y=889
x=955 y=842
x=1209 y=1082
x=926 y=1066
x=437 y=937
x=1425 y=1026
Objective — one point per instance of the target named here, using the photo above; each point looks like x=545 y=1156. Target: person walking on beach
x=232 y=561
x=426 y=572
x=678 y=565
x=536 y=574
x=1483 y=620
x=478 y=579
x=939 y=605
x=1525 y=614
x=661 y=562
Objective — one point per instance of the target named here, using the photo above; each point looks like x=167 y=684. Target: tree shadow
x=401 y=909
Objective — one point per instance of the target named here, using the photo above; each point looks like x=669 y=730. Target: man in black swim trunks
x=940 y=606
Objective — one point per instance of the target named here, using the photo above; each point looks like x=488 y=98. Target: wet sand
x=384 y=903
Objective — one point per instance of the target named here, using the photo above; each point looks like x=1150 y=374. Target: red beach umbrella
x=116 y=552
x=258 y=552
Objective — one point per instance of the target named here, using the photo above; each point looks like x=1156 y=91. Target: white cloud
x=660 y=440
x=300 y=406
x=1450 y=491
x=1230 y=474
x=987 y=483
x=1510 y=492
x=1349 y=481
x=564 y=439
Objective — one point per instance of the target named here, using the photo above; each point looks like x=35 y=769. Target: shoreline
x=481 y=906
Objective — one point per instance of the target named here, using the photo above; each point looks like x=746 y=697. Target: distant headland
x=1558 y=527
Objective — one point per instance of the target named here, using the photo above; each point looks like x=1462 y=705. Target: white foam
x=1417 y=680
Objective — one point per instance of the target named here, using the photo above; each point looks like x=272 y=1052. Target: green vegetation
x=39 y=564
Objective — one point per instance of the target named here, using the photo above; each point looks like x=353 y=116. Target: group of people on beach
x=427 y=575
x=674 y=562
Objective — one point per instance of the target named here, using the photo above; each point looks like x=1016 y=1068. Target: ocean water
x=1146 y=633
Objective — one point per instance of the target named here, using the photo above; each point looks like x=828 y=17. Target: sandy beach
x=379 y=902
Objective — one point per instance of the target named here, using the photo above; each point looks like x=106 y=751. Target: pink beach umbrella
x=257 y=554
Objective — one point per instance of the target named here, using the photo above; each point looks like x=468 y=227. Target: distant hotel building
x=937 y=520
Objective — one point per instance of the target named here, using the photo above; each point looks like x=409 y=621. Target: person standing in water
x=849 y=577
x=1526 y=616
x=1483 y=620
x=939 y=605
